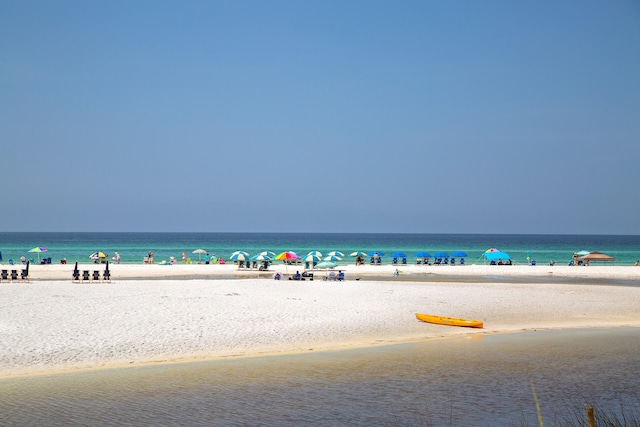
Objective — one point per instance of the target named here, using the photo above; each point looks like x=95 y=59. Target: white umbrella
x=332 y=258
x=199 y=252
x=336 y=253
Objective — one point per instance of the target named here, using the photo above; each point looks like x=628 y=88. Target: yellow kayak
x=452 y=321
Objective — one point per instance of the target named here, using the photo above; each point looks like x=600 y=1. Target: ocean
x=133 y=247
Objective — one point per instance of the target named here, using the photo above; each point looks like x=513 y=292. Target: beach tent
x=492 y=256
x=596 y=256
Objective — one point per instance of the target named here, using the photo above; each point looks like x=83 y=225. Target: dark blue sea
x=133 y=247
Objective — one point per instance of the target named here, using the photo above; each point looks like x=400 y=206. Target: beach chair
x=106 y=276
x=4 y=275
x=373 y=260
x=453 y=261
x=379 y=260
x=330 y=276
x=85 y=276
x=24 y=274
x=340 y=277
x=96 y=276
x=404 y=261
x=394 y=261
x=461 y=261
x=14 y=275
x=437 y=261
x=75 y=276
x=418 y=261
x=307 y=274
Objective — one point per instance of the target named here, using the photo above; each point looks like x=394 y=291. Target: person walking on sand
x=150 y=257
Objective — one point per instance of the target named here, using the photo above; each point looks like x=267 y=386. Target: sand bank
x=51 y=325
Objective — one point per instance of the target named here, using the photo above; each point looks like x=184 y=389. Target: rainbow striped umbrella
x=37 y=250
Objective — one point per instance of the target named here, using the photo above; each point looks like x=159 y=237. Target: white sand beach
x=163 y=313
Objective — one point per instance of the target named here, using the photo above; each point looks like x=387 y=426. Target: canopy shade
x=596 y=256
x=491 y=256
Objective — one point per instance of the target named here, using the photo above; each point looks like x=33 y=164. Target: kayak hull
x=451 y=321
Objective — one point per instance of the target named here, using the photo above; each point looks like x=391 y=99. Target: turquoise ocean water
x=133 y=247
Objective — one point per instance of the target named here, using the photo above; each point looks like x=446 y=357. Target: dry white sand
x=51 y=324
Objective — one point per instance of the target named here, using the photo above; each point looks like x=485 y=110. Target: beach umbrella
x=287 y=256
x=199 y=252
x=459 y=254
x=315 y=253
x=492 y=250
x=336 y=253
x=270 y=254
x=37 y=250
x=326 y=264
x=423 y=254
x=374 y=253
x=98 y=254
x=441 y=254
x=311 y=257
x=583 y=253
x=398 y=255
x=358 y=253
x=260 y=257
x=239 y=256
x=332 y=258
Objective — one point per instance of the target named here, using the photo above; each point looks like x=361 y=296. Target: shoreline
x=55 y=326
x=408 y=272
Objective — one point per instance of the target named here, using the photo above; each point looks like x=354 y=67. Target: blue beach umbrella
x=441 y=255
x=399 y=255
x=459 y=254
x=372 y=253
x=260 y=257
x=423 y=254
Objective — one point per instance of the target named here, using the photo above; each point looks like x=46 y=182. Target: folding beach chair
x=4 y=275
x=14 y=275
x=24 y=274
x=340 y=277
x=96 y=276
x=395 y=261
x=85 y=276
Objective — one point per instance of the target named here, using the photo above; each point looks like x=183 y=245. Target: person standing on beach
x=150 y=257
x=575 y=259
x=117 y=257
x=184 y=258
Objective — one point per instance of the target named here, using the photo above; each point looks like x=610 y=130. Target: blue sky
x=320 y=116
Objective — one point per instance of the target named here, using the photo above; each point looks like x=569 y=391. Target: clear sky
x=320 y=116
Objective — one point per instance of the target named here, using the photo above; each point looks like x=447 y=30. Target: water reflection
x=465 y=381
